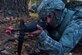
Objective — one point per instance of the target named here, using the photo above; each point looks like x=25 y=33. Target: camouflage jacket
x=69 y=39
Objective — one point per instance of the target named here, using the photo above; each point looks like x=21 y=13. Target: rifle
x=26 y=28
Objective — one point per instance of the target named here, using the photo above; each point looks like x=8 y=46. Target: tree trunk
x=15 y=8
x=1 y=4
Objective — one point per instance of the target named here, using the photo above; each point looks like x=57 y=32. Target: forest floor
x=10 y=48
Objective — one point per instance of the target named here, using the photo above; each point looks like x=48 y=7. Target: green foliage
x=33 y=1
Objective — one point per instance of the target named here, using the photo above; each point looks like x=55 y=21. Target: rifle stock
x=26 y=28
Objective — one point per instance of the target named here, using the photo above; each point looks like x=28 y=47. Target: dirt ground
x=10 y=47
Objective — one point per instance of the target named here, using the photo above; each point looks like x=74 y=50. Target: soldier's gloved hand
x=9 y=30
x=38 y=31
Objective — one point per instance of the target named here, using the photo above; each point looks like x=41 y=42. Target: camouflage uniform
x=68 y=20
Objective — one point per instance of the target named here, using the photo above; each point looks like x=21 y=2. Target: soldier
x=64 y=29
